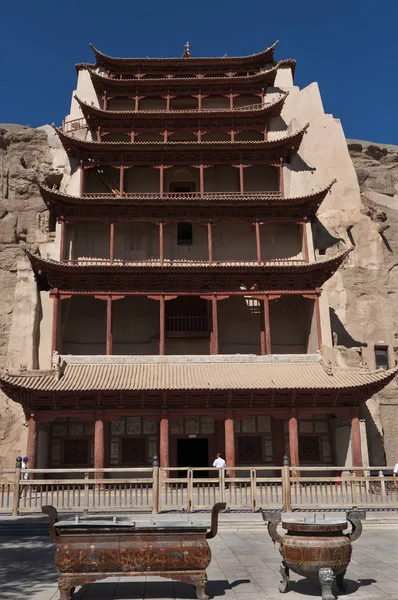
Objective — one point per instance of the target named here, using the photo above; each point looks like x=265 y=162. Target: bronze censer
x=315 y=547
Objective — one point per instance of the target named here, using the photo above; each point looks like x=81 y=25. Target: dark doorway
x=193 y=452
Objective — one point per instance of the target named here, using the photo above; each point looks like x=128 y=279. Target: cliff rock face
x=363 y=294
x=24 y=155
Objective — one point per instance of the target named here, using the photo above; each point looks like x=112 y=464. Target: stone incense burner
x=315 y=547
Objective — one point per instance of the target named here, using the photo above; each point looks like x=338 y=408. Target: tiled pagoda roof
x=182 y=151
x=250 y=205
x=264 y=78
x=224 y=62
x=87 y=374
x=99 y=275
x=96 y=116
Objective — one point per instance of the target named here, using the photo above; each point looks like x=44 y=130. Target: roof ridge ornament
x=187 y=51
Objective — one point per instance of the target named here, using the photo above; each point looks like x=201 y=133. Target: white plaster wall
x=234 y=241
x=83 y=325
x=290 y=324
x=197 y=251
x=135 y=326
x=85 y=91
x=87 y=239
x=45 y=330
x=136 y=240
x=238 y=326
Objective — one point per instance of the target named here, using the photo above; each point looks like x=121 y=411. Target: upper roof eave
x=77 y=147
x=329 y=262
x=90 y=111
x=102 y=82
x=54 y=196
x=106 y=60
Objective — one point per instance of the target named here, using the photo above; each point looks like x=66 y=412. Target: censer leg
x=326 y=578
x=340 y=582
x=284 y=571
x=200 y=584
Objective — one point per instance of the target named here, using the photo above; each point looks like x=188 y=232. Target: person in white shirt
x=219 y=462
x=394 y=475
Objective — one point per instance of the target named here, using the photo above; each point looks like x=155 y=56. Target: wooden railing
x=189 y=195
x=154 y=489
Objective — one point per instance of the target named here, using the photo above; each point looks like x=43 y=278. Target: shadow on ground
x=26 y=567
x=311 y=587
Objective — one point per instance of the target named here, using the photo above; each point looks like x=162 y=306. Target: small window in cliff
x=381 y=357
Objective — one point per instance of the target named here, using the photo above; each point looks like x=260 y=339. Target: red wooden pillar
x=241 y=180
x=293 y=441
x=318 y=322
x=164 y=441
x=258 y=241
x=111 y=241
x=99 y=445
x=229 y=441
x=266 y=325
x=31 y=445
x=210 y=241
x=201 y=180
x=305 y=242
x=161 y=326
x=161 y=181
x=214 y=329
x=62 y=240
x=281 y=183
x=109 y=325
x=161 y=242
x=56 y=318
x=356 y=442
x=81 y=180
x=121 y=181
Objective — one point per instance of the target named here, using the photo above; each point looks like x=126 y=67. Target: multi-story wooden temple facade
x=182 y=298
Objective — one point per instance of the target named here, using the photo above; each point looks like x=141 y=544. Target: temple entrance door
x=193 y=452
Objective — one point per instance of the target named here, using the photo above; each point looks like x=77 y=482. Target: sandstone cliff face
x=363 y=293
x=24 y=155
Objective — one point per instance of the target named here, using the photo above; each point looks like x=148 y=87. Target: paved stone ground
x=244 y=567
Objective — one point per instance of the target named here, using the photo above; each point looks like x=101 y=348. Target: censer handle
x=272 y=530
x=354 y=517
x=273 y=517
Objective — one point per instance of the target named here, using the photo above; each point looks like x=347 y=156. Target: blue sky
x=349 y=46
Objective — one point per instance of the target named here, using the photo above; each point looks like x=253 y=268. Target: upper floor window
x=381 y=357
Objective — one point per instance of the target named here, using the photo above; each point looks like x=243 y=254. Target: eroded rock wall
x=24 y=155
x=363 y=293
